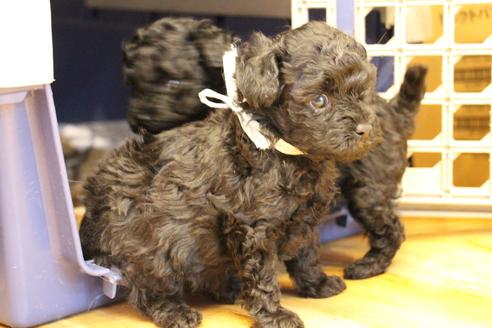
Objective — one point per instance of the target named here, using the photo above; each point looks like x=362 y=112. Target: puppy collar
x=249 y=125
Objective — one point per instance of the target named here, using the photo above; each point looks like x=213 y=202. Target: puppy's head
x=314 y=87
x=166 y=64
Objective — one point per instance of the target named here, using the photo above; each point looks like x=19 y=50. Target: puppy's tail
x=166 y=65
x=406 y=103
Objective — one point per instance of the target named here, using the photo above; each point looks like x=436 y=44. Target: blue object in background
x=385 y=67
x=378 y=33
x=43 y=275
x=345 y=16
x=339 y=224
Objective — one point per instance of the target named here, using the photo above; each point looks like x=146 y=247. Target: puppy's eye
x=319 y=103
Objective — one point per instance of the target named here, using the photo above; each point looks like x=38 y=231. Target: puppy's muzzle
x=363 y=130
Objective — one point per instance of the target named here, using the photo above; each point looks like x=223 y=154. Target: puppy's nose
x=363 y=129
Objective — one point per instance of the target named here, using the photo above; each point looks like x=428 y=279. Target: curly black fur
x=199 y=208
x=166 y=64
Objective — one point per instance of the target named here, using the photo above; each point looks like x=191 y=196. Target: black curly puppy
x=370 y=185
x=200 y=208
x=166 y=64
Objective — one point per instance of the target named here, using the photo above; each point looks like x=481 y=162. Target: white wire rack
x=426 y=189
x=301 y=10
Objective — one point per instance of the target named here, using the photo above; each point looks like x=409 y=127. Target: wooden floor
x=442 y=277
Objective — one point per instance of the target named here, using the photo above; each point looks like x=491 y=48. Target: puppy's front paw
x=364 y=268
x=328 y=286
x=182 y=316
x=283 y=318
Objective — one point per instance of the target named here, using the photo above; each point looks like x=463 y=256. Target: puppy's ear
x=257 y=71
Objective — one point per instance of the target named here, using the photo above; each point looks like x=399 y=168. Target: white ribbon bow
x=250 y=126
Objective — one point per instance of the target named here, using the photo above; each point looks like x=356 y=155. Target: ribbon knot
x=250 y=126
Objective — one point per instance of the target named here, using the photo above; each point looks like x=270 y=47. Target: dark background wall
x=89 y=84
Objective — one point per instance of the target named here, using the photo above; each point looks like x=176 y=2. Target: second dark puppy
x=166 y=64
x=201 y=208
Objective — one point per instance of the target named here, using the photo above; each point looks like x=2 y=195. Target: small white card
x=26 y=51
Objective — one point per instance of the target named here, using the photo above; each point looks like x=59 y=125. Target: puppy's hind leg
x=375 y=211
x=254 y=255
x=167 y=311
